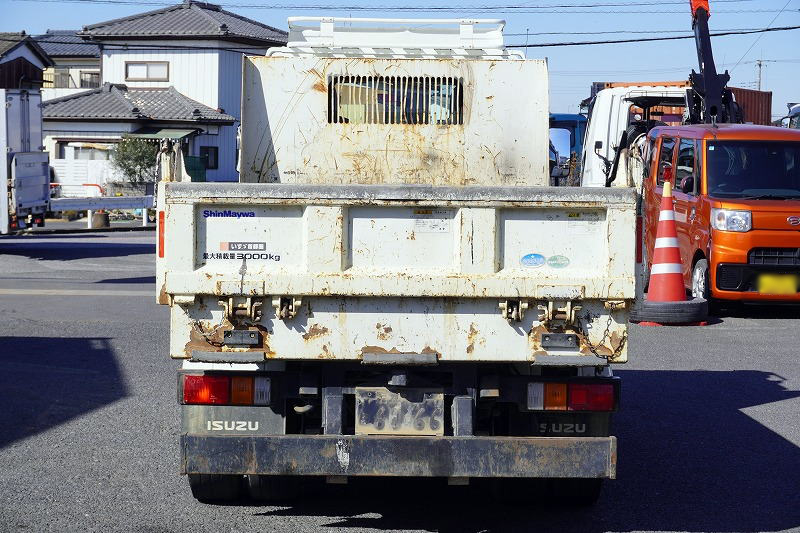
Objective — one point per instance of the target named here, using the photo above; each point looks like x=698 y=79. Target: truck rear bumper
x=358 y=455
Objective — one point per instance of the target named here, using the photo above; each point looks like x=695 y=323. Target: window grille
x=395 y=100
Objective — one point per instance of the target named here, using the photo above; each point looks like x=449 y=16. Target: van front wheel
x=700 y=286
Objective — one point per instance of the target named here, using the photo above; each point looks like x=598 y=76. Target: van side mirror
x=598 y=145
x=687 y=185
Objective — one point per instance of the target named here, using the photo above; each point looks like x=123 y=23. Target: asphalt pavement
x=709 y=429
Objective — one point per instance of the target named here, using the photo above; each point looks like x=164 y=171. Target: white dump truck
x=391 y=288
x=25 y=170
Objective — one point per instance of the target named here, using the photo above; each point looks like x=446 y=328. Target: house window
x=87 y=153
x=58 y=79
x=209 y=156
x=146 y=71
x=90 y=80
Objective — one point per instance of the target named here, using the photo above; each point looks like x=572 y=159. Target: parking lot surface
x=709 y=429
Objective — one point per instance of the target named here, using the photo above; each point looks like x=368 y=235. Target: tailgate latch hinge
x=513 y=310
x=286 y=307
x=551 y=312
x=239 y=308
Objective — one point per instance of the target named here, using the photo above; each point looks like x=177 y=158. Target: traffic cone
x=666 y=273
x=666 y=302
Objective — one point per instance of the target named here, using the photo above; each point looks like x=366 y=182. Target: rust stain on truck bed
x=315 y=331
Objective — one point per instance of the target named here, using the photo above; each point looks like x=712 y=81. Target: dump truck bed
x=400 y=269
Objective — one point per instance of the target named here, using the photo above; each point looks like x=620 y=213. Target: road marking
x=72 y=292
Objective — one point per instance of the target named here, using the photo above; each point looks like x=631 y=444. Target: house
x=193 y=50
x=90 y=123
x=76 y=63
x=22 y=62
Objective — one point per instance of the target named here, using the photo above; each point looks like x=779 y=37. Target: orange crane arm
x=696 y=4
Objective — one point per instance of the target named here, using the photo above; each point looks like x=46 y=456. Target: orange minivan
x=737 y=207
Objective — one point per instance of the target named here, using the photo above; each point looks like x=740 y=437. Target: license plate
x=381 y=411
x=778 y=284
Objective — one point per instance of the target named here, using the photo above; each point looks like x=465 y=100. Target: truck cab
x=737 y=207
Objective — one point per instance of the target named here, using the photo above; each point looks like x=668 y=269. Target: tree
x=136 y=159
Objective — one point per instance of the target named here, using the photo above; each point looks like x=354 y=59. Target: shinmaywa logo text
x=228 y=213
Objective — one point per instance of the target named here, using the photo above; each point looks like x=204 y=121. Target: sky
x=572 y=68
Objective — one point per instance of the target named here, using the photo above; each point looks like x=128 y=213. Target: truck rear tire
x=210 y=488
x=563 y=492
x=273 y=488
x=577 y=492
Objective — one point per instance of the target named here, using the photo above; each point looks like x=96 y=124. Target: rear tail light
x=591 y=397
x=555 y=396
x=213 y=390
x=160 y=234
x=216 y=389
x=242 y=390
x=546 y=396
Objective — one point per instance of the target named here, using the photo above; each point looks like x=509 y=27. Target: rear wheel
x=210 y=488
x=577 y=492
x=281 y=488
x=564 y=492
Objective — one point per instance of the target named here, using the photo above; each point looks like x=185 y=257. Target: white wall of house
x=23 y=51
x=212 y=76
x=51 y=93
x=193 y=73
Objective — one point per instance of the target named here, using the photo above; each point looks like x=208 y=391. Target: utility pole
x=759 y=64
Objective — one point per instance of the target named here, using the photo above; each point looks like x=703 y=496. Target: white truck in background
x=618 y=115
x=25 y=170
x=392 y=289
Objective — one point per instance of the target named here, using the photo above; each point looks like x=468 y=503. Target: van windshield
x=753 y=169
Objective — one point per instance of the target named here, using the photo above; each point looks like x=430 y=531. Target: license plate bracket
x=777 y=284
x=399 y=411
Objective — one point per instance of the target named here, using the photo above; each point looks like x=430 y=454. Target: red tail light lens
x=206 y=389
x=590 y=397
x=160 y=233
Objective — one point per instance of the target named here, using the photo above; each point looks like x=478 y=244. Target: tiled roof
x=118 y=102
x=66 y=43
x=188 y=20
x=11 y=40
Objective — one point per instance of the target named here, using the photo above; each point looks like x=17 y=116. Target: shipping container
x=756 y=105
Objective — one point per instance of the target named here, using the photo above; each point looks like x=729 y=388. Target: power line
x=614 y=32
x=759 y=37
x=647 y=39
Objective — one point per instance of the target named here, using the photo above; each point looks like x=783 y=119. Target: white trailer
x=25 y=170
x=392 y=289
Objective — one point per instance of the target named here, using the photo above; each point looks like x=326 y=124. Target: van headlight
x=731 y=220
